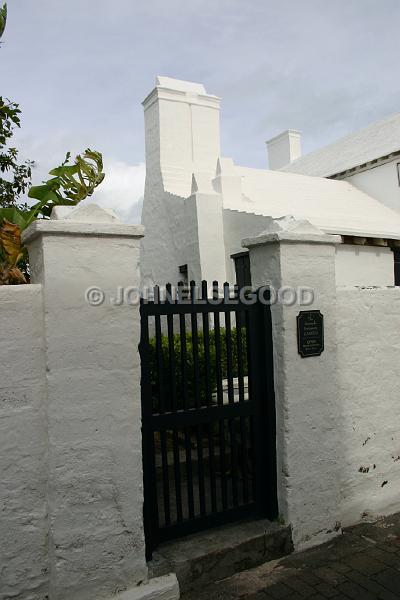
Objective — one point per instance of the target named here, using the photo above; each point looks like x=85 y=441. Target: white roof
x=375 y=141
x=333 y=206
x=180 y=85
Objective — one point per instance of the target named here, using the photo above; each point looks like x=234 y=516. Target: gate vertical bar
x=162 y=408
x=210 y=432
x=271 y=459
x=174 y=406
x=150 y=510
x=197 y=395
x=243 y=429
x=185 y=400
x=231 y=400
x=259 y=345
x=220 y=400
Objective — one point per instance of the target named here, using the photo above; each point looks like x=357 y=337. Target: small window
x=183 y=272
x=242 y=269
x=396 y=254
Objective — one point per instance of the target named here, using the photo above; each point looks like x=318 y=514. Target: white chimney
x=181 y=133
x=284 y=149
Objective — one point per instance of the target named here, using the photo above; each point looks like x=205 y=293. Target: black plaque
x=310 y=333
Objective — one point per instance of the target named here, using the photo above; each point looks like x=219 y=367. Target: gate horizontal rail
x=187 y=418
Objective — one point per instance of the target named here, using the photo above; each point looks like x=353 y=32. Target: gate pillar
x=95 y=489
x=290 y=255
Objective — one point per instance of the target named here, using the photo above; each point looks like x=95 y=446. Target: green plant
x=17 y=176
x=172 y=380
x=70 y=184
x=12 y=255
x=3 y=18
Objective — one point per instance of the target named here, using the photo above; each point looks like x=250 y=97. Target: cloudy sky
x=80 y=69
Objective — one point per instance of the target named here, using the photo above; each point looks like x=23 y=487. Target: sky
x=80 y=70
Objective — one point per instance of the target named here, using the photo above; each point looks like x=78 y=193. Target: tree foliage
x=69 y=184
x=3 y=18
x=15 y=178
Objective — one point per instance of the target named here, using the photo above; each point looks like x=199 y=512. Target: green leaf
x=14 y=216
x=3 y=18
x=64 y=170
x=42 y=193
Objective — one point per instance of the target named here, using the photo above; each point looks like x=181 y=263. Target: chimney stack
x=284 y=149
x=181 y=133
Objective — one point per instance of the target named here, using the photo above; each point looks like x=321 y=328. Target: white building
x=369 y=159
x=198 y=206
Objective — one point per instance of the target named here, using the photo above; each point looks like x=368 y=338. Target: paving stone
x=329 y=575
x=339 y=567
x=389 y=579
x=302 y=587
x=372 y=586
x=309 y=577
x=355 y=591
x=386 y=558
x=363 y=564
x=391 y=549
x=278 y=590
x=326 y=590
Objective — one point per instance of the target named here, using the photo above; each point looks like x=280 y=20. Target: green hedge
x=167 y=386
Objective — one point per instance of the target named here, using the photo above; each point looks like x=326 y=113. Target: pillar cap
x=292 y=230
x=88 y=220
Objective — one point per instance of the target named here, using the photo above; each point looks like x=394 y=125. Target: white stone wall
x=380 y=182
x=308 y=439
x=23 y=445
x=182 y=133
x=364 y=265
x=368 y=326
x=71 y=493
x=238 y=225
x=71 y=483
x=95 y=493
x=284 y=149
x=182 y=138
x=163 y=249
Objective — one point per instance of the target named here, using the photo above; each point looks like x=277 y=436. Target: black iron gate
x=208 y=410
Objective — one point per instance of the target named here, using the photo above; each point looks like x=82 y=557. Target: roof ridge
x=354 y=138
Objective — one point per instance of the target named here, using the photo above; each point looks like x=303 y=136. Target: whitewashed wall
x=291 y=254
x=163 y=248
x=23 y=445
x=182 y=138
x=71 y=484
x=368 y=326
x=380 y=182
x=238 y=225
x=364 y=265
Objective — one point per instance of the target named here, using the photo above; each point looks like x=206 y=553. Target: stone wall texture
x=23 y=445
x=71 y=493
x=368 y=325
x=95 y=485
